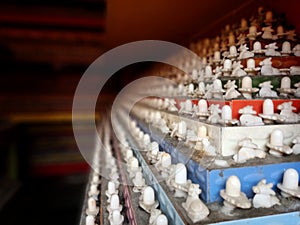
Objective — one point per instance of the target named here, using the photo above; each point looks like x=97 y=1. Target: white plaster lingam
x=257 y=48
x=194 y=207
x=179 y=182
x=164 y=165
x=180 y=131
x=208 y=71
x=232 y=195
x=138 y=182
x=232 y=52
x=92 y=208
x=114 y=204
x=276 y=145
x=231 y=91
x=200 y=91
x=154 y=213
x=152 y=154
x=133 y=167
x=267 y=33
x=249 y=118
x=147 y=199
x=248 y=150
x=286 y=48
x=226 y=116
x=111 y=189
x=94 y=191
x=266 y=90
x=116 y=218
x=217 y=90
x=247 y=90
x=289 y=186
x=264 y=196
x=286 y=114
x=251 y=69
x=161 y=220
x=145 y=142
x=90 y=220
x=227 y=67
x=186 y=107
x=268 y=114
x=202 y=112
x=285 y=87
x=253 y=33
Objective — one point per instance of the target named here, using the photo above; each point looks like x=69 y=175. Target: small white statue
x=214 y=116
x=253 y=33
x=296 y=145
x=286 y=114
x=147 y=199
x=208 y=94
x=230 y=90
x=267 y=69
x=194 y=207
x=248 y=150
x=217 y=90
x=179 y=131
x=296 y=50
x=232 y=195
x=264 y=196
x=276 y=145
x=267 y=33
x=271 y=50
x=248 y=117
x=297 y=91
x=266 y=90
x=179 y=182
x=295 y=70
x=237 y=69
x=289 y=186
x=291 y=34
x=244 y=53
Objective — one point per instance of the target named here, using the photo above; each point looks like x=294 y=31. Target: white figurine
x=248 y=150
x=276 y=145
x=267 y=33
x=297 y=91
x=264 y=196
x=232 y=52
x=202 y=111
x=271 y=50
x=266 y=90
x=251 y=69
x=194 y=207
x=186 y=107
x=92 y=208
x=244 y=53
x=179 y=131
x=164 y=164
x=152 y=154
x=157 y=218
x=214 y=116
x=248 y=117
x=286 y=114
x=138 y=182
x=289 y=186
x=217 y=90
x=267 y=68
x=286 y=48
x=116 y=218
x=257 y=48
x=294 y=70
x=147 y=199
x=200 y=91
x=247 y=90
x=285 y=87
x=230 y=90
x=237 y=69
x=268 y=114
x=226 y=116
x=227 y=67
x=296 y=50
x=253 y=33
x=180 y=183
x=232 y=195
x=296 y=145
